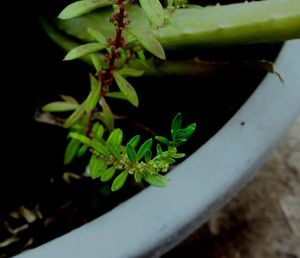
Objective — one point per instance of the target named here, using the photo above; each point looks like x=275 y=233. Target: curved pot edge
x=155 y=220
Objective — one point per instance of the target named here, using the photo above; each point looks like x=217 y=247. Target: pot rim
x=155 y=220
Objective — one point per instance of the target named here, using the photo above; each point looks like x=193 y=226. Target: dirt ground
x=263 y=220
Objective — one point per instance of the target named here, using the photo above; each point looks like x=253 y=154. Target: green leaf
x=107 y=115
x=84 y=50
x=114 y=151
x=157 y=180
x=154 y=11
x=144 y=148
x=82 y=150
x=158 y=149
x=69 y=99
x=59 y=106
x=97 y=167
x=80 y=137
x=130 y=151
x=116 y=95
x=127 y=71
x=97 y=35
x=148 y=155
x=177 y=155
x=176 y=124
x=82 y=7
x=94 y=94
x=71 y=151
x=115 y=138
x=149 y=42
x=189 y=130
x=99 y=147
x=163 y=140
x=119 y=181
x=134 y=141
x=96 y=62
x=108 y=174
x=126 y=88
x=75 y=116
x=137 y=176
x=98 y=131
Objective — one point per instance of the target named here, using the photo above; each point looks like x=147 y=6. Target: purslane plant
x=91 y=125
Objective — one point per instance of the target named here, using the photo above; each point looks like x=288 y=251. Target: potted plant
x=209 y=183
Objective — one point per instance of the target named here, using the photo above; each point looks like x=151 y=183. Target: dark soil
x=40 y=198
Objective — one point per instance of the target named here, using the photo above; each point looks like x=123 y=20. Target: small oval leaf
x=126 y=88
x=84 y=50
x=59 y=106
x=163 y=140
x=115 y=138
x=96 y=166
x=157 y=180
x=149 y=42
x=80 y=137
x=99 y=147
x=144 y=148
x=119 y=181
x=127 y=71
x=176 y=124
x=71 y=151
x=108 y=174
x=134 y=141
x=131 y=154
x=154 y=11
x=137 y=176
x=82 y=7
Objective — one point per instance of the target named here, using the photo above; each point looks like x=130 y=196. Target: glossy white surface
x=157 y=219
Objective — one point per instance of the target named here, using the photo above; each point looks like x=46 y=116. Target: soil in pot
x=40 y=198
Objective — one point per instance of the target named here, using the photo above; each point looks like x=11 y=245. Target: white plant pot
x=155 y=220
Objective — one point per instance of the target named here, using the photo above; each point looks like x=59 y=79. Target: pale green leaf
x=82 y=7
x=98 y=131
x=154 y=11
x=157 y=180
x=137 y=176
x=75 y=116
x=80 y=137
x=107 y=115
x=59 y=106
x=97 y=35
x=108 y=174
x=119 y=181
x=71 y=151
x=94 y=94
x=115 y=138
x=82 y=150
x=84 y=50
x=96 y=62
x=127 y=71
x=126 y=88
x=69 y=99
x=116 y=95
x=149 y=42
x=96 y=166
x=99 y=147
